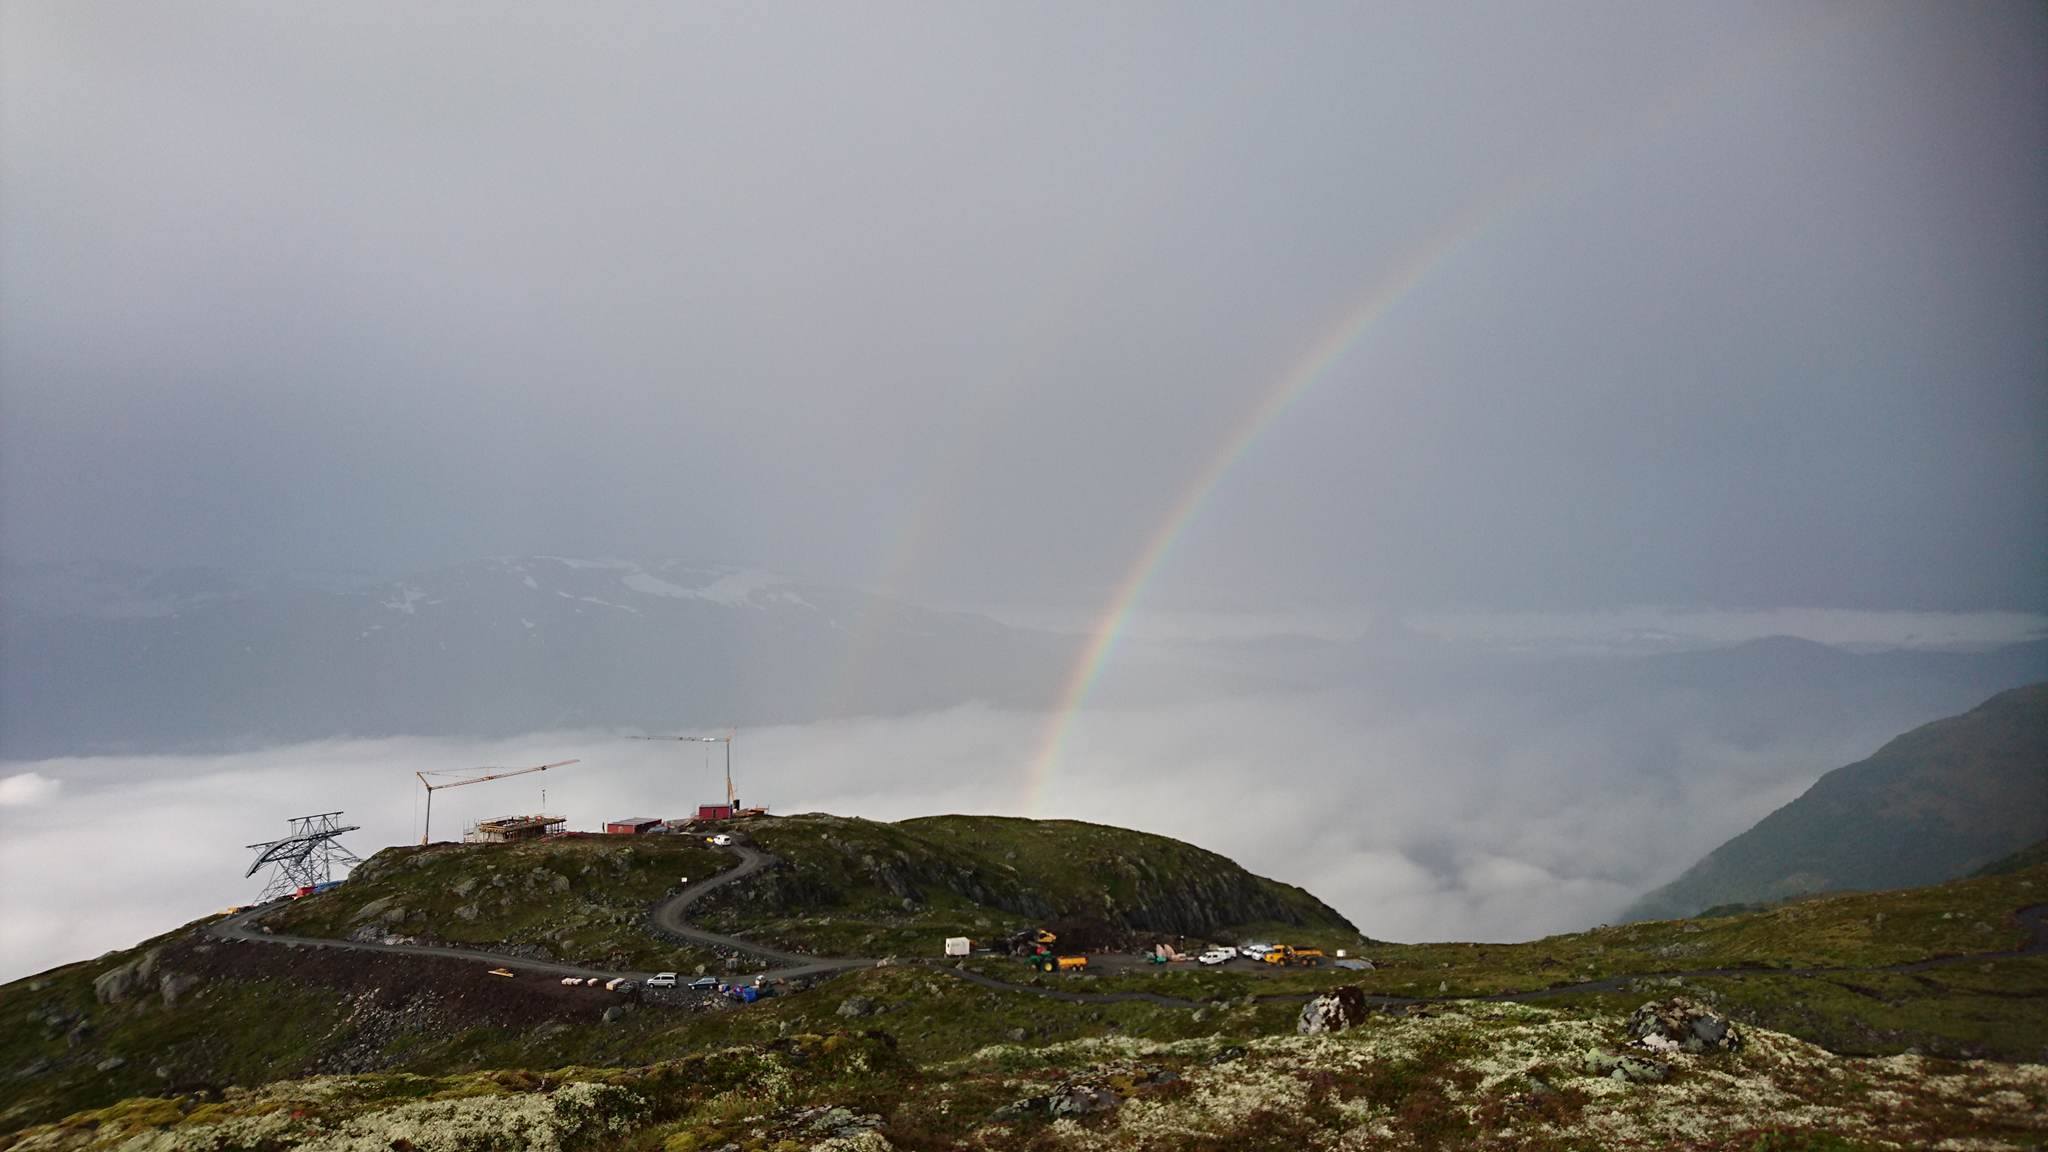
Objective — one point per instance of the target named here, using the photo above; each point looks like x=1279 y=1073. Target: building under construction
x=506 y=829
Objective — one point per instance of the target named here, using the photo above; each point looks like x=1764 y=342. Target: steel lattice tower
x=304 y=859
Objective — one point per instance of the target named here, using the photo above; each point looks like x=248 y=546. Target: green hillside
x=1936 y=803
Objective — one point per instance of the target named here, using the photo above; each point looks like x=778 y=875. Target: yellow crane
x=427 y=828
x=732 y=799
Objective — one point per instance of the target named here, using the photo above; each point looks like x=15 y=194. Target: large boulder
x=1332 y=1012
x=173 y=986
x=1681 y=1025
x=115 y=984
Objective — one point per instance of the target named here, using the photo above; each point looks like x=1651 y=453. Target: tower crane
x=731 y=797
x=489 y=774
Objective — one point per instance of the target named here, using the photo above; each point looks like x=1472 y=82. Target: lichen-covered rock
x=1625 y=1066
x=1681 y=1025
x=1332 y=1012
x=856 y=1006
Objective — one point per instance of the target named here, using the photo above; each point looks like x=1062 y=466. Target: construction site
x=592 y=915
x=532 y=825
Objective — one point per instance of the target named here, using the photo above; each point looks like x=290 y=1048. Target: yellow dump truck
x=1051 y=963
x=1286 y=954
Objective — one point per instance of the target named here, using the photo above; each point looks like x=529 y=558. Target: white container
x=958 y=945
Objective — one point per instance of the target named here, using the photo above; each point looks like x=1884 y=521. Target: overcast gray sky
x=1745 y=304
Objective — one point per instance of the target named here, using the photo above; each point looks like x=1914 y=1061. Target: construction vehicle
x=427 y=826
x=1287 y=954
x=1048 y=962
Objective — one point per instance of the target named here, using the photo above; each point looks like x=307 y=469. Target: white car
x=720 y=841
x=662 y=980
x=1254 y=951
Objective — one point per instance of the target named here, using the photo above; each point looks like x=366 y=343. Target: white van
x=1254 y=951
x=662 y=980
x=721 y=841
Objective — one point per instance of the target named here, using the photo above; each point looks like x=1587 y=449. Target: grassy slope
x=581 y=900
x=1931 y=805
x=868 y=888
x=347 y=1014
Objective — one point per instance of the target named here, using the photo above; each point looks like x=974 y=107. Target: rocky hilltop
x=862 y=885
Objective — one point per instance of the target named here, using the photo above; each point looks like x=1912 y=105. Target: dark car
x=703 y=984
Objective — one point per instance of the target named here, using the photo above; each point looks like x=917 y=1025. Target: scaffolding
x=303 y=862
x=505 y=829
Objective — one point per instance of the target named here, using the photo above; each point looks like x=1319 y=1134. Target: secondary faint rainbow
x=1324 y=355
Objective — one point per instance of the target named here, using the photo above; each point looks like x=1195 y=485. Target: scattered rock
x=1233 y=1052
x=1081 y=1100
x=856 y=1006
x=467 y=884
x=373 y=908
x=1333 y=1012
x=466 y=912
x=110 y=1063
x=614 y=1013
x=835 y=1123
x=1016 y=1035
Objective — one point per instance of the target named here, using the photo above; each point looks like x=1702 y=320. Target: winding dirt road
x=667 y=919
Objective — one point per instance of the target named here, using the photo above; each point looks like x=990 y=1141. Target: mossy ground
x=1463 y=1076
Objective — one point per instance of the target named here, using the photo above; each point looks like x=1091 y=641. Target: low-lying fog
x=1489 y=814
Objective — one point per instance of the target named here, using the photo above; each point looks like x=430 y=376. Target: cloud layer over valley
x=1495 y=813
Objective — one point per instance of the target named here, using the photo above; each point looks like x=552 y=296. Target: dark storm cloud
x=958 y=299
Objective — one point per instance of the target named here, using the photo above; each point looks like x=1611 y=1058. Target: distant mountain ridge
x=1935 y=804
x=110 y=659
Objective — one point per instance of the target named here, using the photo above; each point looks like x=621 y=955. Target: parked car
x=662 y=980
x=720 y=841
x=1254 y=951
x=704 y=984
x=1218 y=956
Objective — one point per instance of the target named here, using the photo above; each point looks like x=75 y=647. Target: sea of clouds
x=1489 y=817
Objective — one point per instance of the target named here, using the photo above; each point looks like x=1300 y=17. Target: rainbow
x=1324 y=355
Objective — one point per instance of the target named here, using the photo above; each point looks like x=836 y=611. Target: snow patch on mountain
x=732 y=589
x=600 y=603
x=407 y=597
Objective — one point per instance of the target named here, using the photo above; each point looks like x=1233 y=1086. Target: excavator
x=1043 y=959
